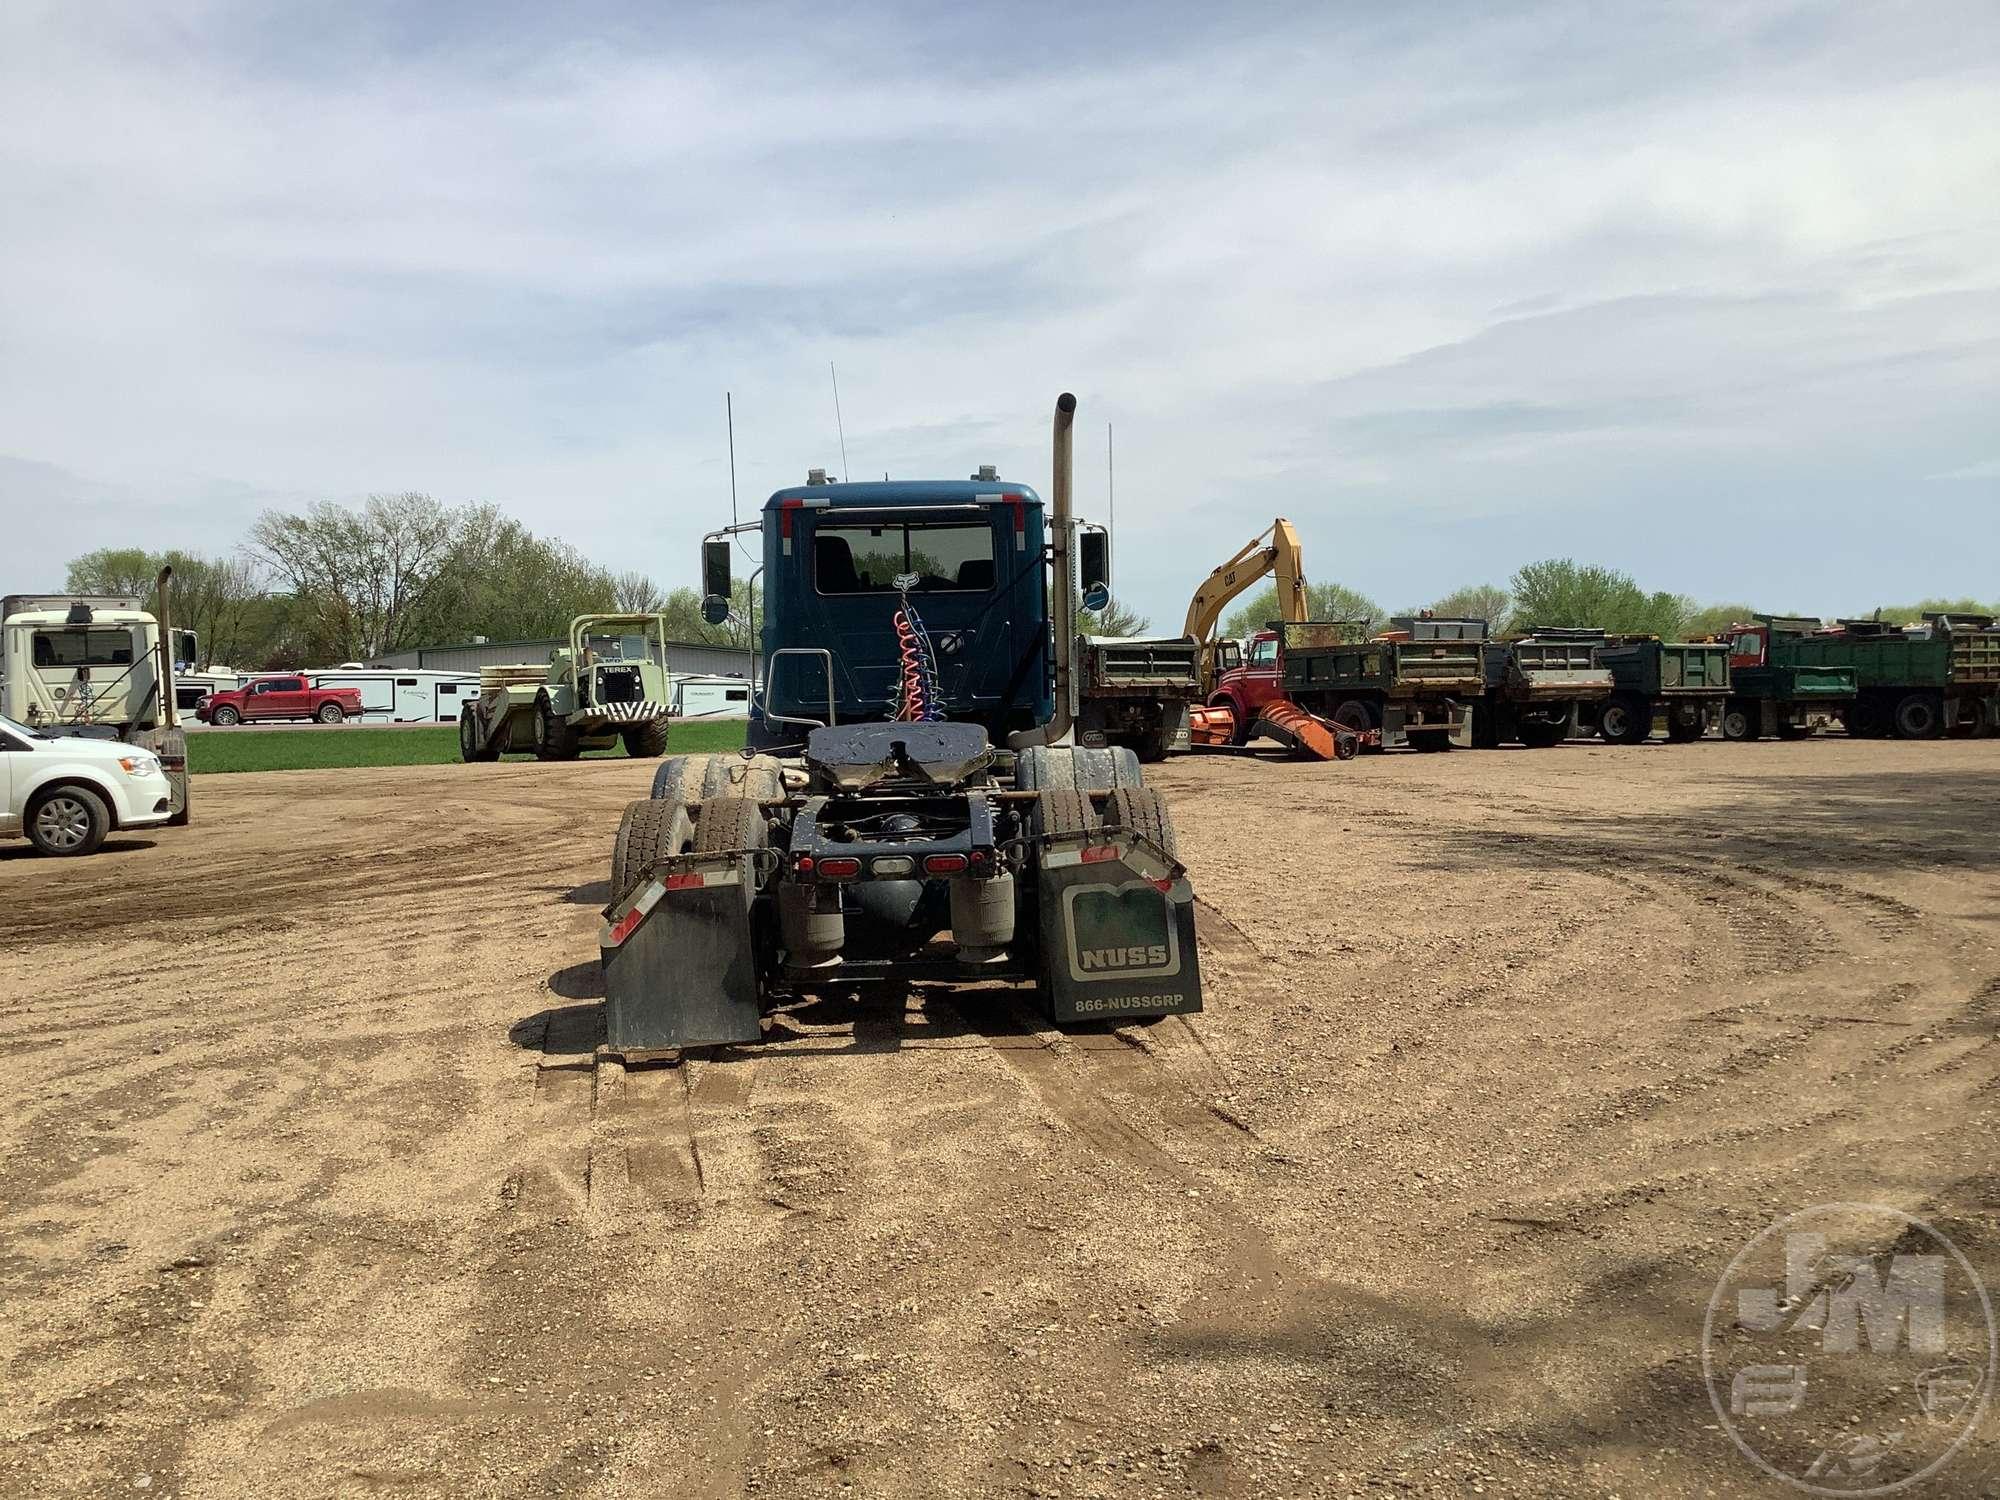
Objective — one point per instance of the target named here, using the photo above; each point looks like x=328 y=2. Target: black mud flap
x=679 y=954
x=1117 y=930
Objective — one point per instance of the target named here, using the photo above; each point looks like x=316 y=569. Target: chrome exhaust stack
x=1062 y=593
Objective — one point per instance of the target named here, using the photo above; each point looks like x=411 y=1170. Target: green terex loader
x=609 y=684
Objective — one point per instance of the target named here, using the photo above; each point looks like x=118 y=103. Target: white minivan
x=64 y=793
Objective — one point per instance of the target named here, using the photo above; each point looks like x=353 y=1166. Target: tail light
x=803 y=867
x=944 y=864
x=842 y=868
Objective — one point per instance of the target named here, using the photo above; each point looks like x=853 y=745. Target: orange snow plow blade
x=1306 y=734
x=1212 y=726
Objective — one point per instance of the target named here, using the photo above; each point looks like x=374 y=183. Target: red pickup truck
x=279 y=698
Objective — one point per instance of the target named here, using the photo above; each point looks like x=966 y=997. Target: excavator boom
x=1275 y=551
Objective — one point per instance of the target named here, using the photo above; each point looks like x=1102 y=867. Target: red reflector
x=1097 y=854
x=682 y=882
x=1163 y=885
x=623 y=928
x=943 y=864
x=804 y=864
x=839 y=869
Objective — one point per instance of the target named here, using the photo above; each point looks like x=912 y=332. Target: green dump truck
x=1771 y=692
x=1914 y=683
x=1136 y=692
x=1683 y=683
x=1538 y=687
x=1417 y=683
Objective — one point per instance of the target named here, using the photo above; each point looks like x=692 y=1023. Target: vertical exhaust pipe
x=1062 y=593
x=163 y=586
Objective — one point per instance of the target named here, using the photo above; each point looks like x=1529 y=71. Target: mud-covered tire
x=225 y=717
x=726 y=824
x=66 y=820
x=646 y=741
x=554 y=739
x=1072 y=768
x=1739 y=720
x=469 y=748
x=330 y=713
x=1141 y=810
x=1919 y=717
x=695 y=779
x=1064 y=811
x=1626 y=721
x=648 y=831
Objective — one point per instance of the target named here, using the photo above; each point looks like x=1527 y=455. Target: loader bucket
x=1117 y=930
x=679 y=956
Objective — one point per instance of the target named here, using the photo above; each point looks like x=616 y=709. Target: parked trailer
x=1917 y=683
x=1415 y=685
x=710 y=698
x=1772 y=693
x=1539 y=688
x=1684 y=683
x=609 y=684
x=401 y=696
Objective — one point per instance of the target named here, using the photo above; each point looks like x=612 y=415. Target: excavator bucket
x=1117 y=930
x=679 y=956
x=1308 y=735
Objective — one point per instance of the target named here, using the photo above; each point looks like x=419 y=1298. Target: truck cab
x=958 y=562
x=1247 y=680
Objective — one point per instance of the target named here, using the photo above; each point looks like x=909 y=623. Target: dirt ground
x=311 y=1186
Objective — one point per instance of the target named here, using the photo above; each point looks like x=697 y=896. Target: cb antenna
x=841 y=426
x=1110 y=482
x=729 y=415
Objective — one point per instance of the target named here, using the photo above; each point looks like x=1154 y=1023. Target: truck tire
x=1739 y=720
x=726 y=824
x=647 y=741
x=1063 y=811
x=1070 y=768
x=695 y=779
x=1919 y=716
x=67 y=820
x=1139 y=809
x=469 y=748
x=1791 y=731
x=1537 y=734
x=1626 y=720
x=1679 y=730
x=647 y=831
x=1154 y=743
x=330 y=713
x=1239 y=722
x=554 y=739
x=226 y=717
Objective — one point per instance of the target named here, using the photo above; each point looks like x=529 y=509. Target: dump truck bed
x=1315 y=662
x=1146 y=666
x=1666 y=669
x=1534 y=671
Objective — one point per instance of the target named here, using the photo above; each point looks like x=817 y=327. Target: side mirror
x=715 y=571
x=715 y=609
x=1093 y=549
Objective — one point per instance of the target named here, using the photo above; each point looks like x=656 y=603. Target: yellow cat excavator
x=1276 y=550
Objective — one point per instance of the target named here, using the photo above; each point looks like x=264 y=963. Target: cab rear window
x=867 y=559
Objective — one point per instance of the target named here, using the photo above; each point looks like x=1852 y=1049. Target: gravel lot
x=312 y=1185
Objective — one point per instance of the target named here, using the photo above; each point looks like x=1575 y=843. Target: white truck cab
x=64 y=793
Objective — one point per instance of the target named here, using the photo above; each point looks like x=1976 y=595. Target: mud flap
x=679 y=955
x=1117 y=930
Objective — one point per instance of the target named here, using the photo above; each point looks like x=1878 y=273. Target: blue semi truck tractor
x=909 y=806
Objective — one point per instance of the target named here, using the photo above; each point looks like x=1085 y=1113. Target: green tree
x=1325 y=601
x=1561 y=591
x=1479 y=601
x=1904 y=614
x=1713 y=619
x=218 y=598
x=1114 y=620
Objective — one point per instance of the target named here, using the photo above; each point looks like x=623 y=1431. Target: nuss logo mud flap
x=1117 y=928
x=679 y=964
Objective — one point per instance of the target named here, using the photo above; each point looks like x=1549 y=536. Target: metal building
x=684 y=658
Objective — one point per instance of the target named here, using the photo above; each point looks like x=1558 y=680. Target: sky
x=1707 y=292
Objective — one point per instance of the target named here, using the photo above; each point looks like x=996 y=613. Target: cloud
x=1455 y=290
